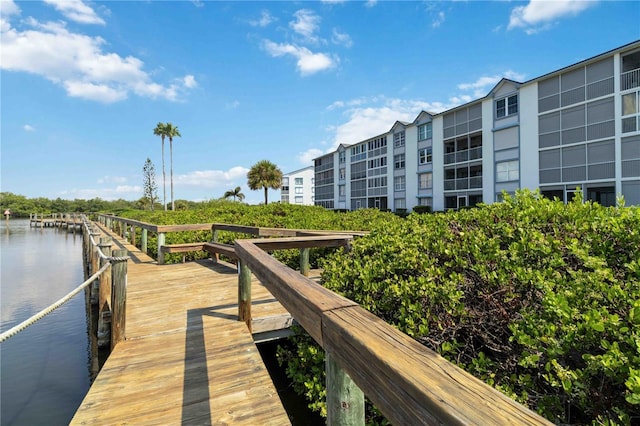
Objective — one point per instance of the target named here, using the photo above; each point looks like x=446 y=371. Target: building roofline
x=299 y=170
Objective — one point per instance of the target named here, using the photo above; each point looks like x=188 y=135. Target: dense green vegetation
x=538 y=299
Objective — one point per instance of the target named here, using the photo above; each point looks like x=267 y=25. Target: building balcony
x=630 y=79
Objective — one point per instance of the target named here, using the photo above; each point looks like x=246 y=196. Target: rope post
x=133 y=235
x=118 y=297
x=161 y=237
x=104 y=304
x=143 y=241
x=244 y=293
x=345 y=400
x=304 y=261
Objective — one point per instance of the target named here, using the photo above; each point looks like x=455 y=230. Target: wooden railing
x=408 y=382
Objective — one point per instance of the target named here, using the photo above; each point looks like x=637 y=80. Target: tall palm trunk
x=173 y=206
x=265 y=196
x=164 y=179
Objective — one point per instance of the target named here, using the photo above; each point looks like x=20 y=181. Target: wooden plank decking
x=187 y=359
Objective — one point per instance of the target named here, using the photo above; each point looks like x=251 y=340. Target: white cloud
x=307 y=61
x=127 y=192
x=112 y=179
x=28 y=128
x=264 y=20
x=438 y=20
x=9 y=8
x=211 y=178
x=370 y=3
x=342 y=39
x=307 y=156
x=189 y=81
x=539 y=15
x=306 y=24
x=77 y=62
x=232 y=105
x=482 y=85
x=77 y=11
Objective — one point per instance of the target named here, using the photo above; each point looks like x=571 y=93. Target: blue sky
x=83 y=83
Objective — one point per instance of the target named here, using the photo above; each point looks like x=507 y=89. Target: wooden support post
x=244 y=293
x=104 y=304
x=161 y=237
x=304 y=261
x=214 y=239
x=118 y=298
x=143 y=242
x=95 y=262
x=345 y=401
x=132 y=238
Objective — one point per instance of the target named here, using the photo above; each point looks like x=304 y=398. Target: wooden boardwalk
x=187 y=359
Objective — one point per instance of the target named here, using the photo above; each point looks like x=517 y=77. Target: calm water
x=44 y=370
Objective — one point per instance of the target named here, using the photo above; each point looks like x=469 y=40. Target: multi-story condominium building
x=298 y=187
x=576 y=127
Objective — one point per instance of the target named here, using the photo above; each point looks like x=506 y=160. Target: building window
x=400 y=203
x=507 y=106
x=425 y=201
x=342 y=191
x=425 y=181
x=398 y=161
x=425 y=131
x=342 y=174
x=285 y=181
x=285 y=188
x=298 y=200
x=299 y=190
x=507 y=171
x=342 y=157
x=425 y=155
x=630 y=112
x=398 y=139
x=399 y=183
x=299 y=181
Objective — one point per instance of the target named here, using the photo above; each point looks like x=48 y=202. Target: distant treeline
x=22 y=206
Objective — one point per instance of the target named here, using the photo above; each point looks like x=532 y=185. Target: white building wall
x=301 y=193
x=411 y=167
x=529 y=158
x=438 y=163
x=488 y=168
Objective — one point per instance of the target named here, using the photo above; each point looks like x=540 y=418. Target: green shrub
x=539 y=299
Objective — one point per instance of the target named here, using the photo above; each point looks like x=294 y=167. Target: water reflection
x=44 y=373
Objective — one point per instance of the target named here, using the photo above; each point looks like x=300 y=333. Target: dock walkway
x=186 y=358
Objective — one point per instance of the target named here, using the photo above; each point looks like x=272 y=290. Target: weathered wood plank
x=187 y=359
x=409 y=383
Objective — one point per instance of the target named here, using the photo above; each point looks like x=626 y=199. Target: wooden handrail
x=408 y=382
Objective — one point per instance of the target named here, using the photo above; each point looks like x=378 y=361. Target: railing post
x=214 y=239
x=304 y=261
x=143 y=242
x=118 y=297
x=95 y=261
x=345 y=400
x=132 y=238
x=244 y=293
x=161 y=237
x=104 y=304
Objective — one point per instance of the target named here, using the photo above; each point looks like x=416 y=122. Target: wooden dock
x=186 y=358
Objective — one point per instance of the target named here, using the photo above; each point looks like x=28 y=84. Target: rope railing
x=35 y=318
x=109 y=260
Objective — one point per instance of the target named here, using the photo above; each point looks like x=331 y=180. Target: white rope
x=18 y=328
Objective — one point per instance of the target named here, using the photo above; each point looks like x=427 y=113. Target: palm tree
x=235 y=193
x=172 y=132
x=161 y=130
x=264 y=174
